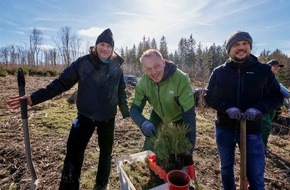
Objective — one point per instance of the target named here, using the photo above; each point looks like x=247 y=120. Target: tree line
x=191 y=57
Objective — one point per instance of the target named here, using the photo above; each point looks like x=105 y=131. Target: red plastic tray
x=154 y=167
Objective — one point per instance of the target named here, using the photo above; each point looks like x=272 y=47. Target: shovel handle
x=21 y=91
x=243 y=155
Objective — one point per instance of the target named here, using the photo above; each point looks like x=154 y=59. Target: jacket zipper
x=159 y=100
x=238 y=95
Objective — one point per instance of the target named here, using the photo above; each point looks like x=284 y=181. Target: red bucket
x=178 y=180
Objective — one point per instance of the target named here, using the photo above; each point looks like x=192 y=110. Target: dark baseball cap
x=274 y=62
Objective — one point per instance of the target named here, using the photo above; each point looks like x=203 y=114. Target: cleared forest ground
x=49 y=127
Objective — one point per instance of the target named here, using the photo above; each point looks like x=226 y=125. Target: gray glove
x=148 y=129
x=252 y=114
x=234 y=113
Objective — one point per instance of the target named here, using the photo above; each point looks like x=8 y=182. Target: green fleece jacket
x=170 y=98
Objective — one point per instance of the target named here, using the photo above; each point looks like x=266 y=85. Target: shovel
x=243 y=155
x=24 y=117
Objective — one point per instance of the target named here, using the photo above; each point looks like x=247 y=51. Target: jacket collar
x=253 y=60
x=169 y=69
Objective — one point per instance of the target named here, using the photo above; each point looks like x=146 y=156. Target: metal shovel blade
x=24 y=117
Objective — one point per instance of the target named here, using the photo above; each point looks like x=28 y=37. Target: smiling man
x=168 y=90
x=241 y=88
x=101 y=90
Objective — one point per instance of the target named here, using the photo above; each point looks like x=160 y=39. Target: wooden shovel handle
x=243 y=155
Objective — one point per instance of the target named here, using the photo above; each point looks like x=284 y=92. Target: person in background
x=268 y=117
x=101 y=88
x=275 y=66
x=168 y=90
x=241 y=88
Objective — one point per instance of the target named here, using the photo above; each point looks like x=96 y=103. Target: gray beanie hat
x=238 y=36
x=107 y=37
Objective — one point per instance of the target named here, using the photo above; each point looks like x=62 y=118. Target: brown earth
x=49 y=145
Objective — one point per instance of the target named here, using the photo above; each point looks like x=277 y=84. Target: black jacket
x=246 y=85
x=101 y=87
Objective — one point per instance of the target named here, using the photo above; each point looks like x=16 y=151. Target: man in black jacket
x=101 y=88
x=242 y=88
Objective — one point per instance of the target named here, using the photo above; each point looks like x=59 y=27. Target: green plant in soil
x=172 y=148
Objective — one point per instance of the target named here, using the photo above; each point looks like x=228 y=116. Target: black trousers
x=80 y=134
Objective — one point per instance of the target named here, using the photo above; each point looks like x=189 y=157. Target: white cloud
x=91 y=32
x=47 y=47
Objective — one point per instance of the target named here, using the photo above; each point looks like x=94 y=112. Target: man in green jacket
x=168 y=90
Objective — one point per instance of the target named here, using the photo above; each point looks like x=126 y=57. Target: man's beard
x=240 y=60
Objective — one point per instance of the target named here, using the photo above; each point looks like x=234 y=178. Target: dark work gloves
x=252 y=114
x=148 y=129
x=234 y=113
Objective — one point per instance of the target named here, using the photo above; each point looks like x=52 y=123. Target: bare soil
x=48 y=147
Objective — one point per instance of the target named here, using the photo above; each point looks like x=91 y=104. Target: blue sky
x=209 y=21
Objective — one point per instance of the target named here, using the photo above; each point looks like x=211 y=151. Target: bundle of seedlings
x=140 y=175
x=172 y=147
